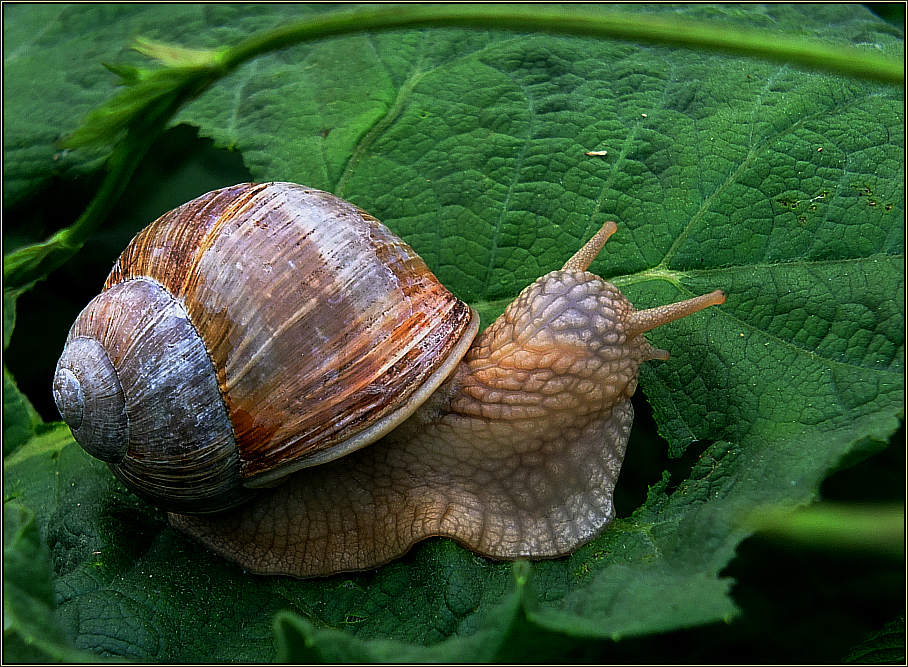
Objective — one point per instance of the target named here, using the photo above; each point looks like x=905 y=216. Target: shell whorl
x=173 y=444
x=90 y=398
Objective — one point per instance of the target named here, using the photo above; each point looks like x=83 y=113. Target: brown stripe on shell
x=159 y=250
x=319 y=320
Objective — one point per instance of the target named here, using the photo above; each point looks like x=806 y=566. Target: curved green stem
x=141 y=126
x=32 y=263
x=584 y=21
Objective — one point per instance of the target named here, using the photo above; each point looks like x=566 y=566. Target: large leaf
x=30 y=631
x=783 y=187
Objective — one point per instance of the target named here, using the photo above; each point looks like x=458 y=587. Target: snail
x=289 y=381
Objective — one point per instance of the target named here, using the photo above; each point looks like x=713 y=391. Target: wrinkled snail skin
x=510 y=442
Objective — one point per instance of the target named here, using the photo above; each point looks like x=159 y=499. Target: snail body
x=273 y=335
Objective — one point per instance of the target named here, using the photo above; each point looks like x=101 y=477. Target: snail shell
x=254 y=331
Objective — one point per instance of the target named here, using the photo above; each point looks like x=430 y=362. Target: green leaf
x=885 y=646
x=30 y=632
x=9 y=315
x=783 y=187
x=20 y=419
x=42 y=99
x=507 y=632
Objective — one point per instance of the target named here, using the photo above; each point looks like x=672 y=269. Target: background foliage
x=782 y=186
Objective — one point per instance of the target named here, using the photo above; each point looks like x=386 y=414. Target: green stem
x=32 y=263
x=585 y=22
x=27 y=265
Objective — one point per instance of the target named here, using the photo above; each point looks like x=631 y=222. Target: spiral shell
x=275 y=326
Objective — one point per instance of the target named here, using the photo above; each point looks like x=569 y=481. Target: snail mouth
x=90 y=399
